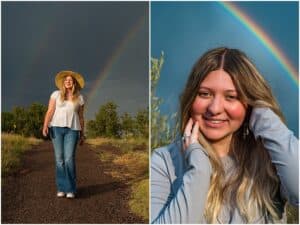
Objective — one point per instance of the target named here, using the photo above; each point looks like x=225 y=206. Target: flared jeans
x=64 y=142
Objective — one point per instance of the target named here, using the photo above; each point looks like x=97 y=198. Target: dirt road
x=29 y=196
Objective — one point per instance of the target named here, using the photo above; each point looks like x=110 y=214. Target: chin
x=215 y=136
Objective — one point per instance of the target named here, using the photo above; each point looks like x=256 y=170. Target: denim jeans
x=65 y=141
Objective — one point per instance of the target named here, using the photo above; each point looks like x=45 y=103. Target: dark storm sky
x=40 y=39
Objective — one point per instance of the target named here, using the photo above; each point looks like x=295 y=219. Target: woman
x=65 y=123
x=237 y=162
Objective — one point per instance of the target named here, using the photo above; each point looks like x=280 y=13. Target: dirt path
x=30 y=195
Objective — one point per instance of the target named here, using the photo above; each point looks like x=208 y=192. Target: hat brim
x=62 y=74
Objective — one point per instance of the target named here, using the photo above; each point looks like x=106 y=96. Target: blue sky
x=185 y=30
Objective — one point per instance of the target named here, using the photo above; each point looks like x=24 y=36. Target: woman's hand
x=48 y=116
x=191 y=133
x=45 y=131
x=81 y=138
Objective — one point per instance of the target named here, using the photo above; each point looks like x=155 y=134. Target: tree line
x=28 y=121
x=108 y=123
x=24 y=121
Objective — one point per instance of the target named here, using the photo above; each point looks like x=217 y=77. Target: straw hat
x=62 y=74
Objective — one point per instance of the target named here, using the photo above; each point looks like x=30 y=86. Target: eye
x=231 y=97
x=204 y=94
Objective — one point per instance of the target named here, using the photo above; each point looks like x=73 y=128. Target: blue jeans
x=64 y=142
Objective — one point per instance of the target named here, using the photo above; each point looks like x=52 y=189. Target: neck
x=222 y=146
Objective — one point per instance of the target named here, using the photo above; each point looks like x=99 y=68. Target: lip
x=214 y=123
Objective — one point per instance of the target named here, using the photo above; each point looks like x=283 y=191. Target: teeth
x=216 y=121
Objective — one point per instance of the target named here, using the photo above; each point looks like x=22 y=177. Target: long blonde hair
x=255 y=183
x=75 y=90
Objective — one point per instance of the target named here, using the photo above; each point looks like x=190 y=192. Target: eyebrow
x=227 y=90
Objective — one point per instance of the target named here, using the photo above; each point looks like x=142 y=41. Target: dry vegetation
x=13 y=146
x=130 y=158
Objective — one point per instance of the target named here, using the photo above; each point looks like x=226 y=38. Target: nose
x=215 y=106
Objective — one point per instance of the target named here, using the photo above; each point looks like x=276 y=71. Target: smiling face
x=68 y=82
x=217 y=107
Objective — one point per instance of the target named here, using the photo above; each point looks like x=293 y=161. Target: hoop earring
x=245 y=130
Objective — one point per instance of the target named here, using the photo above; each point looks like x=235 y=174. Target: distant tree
x=160 y=128
x=92 y=130
x=7 y=122
x=107 y=122
x=24 y=121
x=142 y=123
x=35 y=118
x=127 y=125
x=20 y=119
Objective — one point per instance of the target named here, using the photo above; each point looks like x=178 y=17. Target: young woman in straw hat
x=237 y=161
x=65 y=123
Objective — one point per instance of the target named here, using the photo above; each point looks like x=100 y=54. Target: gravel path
x=29 y=196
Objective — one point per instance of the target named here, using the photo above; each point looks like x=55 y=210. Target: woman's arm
x=81 y=121
x=49 y=115
x=188 y=203
x=282 y=146
x=81 y=118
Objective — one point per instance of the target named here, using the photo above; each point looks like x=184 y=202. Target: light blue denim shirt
x=180 y=180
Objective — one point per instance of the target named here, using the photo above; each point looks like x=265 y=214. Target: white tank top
x=66 y=112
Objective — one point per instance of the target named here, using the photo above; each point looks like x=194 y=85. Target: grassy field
x=13 y=147
x=131 y=165
x=292 y=213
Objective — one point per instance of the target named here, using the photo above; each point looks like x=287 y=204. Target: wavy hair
x=75 y=90
x=254 y=184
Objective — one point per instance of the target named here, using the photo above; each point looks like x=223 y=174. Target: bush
x=24 y=121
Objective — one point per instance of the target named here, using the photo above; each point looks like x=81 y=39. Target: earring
x=245 y=131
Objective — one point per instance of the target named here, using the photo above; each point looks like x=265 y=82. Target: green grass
x=125 y=145
x=292 y=214
x=140 y=198
x=131 y=166
x=13 y=146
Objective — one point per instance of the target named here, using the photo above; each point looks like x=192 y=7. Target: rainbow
x=264 y=39
x=114 y=58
